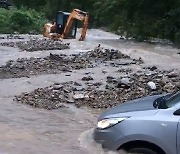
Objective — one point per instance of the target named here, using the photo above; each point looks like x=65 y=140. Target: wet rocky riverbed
x=107 y=77
x=97 y=95
x=37 y=44
x=128 y=83
x=57 y=63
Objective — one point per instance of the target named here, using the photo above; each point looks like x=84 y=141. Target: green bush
x=4 y=21
x=21 y=20
x=177 y=37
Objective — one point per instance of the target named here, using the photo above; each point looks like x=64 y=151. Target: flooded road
x=65 y=130
x=158 y=54
x=26 y=130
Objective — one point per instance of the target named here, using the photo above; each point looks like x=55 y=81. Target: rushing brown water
x=29 y=130
x=66 y=130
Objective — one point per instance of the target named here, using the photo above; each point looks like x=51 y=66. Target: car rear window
x=173 y=100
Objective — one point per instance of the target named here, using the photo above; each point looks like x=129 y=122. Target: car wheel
x=122 y=152
x=141 y=151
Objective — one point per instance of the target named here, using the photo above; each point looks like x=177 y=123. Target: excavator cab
x=61 y=20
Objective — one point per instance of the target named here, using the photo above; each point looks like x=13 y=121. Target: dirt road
x=65 y=130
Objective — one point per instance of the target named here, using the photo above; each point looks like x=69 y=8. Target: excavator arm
x=79 y=15
x=76 y=14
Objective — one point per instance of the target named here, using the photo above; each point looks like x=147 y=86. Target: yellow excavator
x=65 y=26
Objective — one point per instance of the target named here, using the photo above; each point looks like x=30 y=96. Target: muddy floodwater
x=27 y=130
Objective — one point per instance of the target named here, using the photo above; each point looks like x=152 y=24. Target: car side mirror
x=177 y=112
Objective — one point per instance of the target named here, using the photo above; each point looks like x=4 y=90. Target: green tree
x=141 y=19
x=33 y=4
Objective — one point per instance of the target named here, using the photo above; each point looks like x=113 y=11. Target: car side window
x=177 y=112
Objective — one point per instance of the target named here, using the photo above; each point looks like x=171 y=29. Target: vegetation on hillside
x=141 y=19
x=21 y=20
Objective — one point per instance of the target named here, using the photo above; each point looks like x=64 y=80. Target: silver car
x=149 y=125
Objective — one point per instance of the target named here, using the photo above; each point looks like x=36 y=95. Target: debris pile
x=103 y=54
x=49 y=65
x=106 y=54
x=37 y=44
x=55 y=63
x=52 y=97
x=11 y=36
x=116 y=91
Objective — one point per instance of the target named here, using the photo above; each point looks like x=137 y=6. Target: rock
x=55 y=56
x=19 y=66
x=148 y=74
x=66 y=90
x=124 y=83
x=172 y=74
x=55 y=91
x=169 y=88
x=77 y=84
x=110 y=86
x=152 y=68
x=162 y=83
x=87 y=78
x=160 y=76
x=110 y=79
x=78 y=89
x=65 y=69
x=51 y=96
x=2 y=37
x=97 y=84
x=88 y=73
x=151 y=85
x=178 y=85
x=127 y=71
x=57 y=86
x=140 y=60
x=79 y=96
x=104 y=71
x=70 y=98
x=122 y=38
x=60 y=105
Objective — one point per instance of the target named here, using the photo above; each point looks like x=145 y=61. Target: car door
x=178 y=138
x=177 y=113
